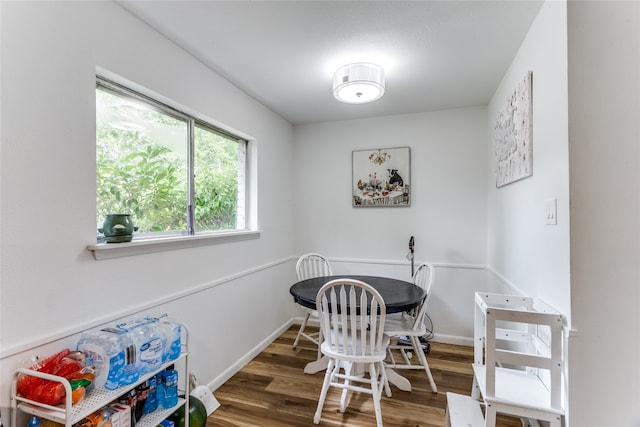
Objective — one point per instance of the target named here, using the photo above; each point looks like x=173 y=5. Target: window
x=175 y=174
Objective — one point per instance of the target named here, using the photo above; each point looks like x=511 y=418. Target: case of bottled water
x=123 y=351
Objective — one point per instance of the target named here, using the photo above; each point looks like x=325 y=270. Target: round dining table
x=398 y=296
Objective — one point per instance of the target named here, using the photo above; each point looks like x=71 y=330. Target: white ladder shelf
x=517 y=363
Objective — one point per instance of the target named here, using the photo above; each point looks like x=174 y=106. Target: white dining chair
x=411 y=324
x=353 y=337
x=309 y=266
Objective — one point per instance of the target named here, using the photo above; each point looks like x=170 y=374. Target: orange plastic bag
x=64 y=364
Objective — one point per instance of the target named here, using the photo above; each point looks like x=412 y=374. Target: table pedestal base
x=317 y=365
x=397 y=380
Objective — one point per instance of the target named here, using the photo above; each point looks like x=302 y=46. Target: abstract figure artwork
x=513 y=136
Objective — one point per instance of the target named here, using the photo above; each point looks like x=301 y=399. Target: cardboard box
x=125 y=414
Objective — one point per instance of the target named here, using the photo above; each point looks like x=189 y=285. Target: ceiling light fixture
x=358 y=83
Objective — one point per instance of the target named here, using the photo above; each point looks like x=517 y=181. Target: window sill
x=103 y=251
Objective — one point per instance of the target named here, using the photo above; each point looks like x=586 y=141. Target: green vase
x=117 y=228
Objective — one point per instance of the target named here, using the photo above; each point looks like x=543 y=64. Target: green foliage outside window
x=216 y=181
x=142 y=169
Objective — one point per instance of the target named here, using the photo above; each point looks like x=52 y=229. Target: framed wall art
x=513 y=136
x=381 y=177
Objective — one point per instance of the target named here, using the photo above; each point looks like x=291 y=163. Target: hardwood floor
x=272 y=390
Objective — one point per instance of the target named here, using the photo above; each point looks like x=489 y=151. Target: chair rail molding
x=75 y=329
x=400 y=262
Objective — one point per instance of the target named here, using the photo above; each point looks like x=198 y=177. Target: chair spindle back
x=352 y=315
x=312 y=265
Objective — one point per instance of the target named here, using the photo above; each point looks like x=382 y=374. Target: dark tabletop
x=398 y=295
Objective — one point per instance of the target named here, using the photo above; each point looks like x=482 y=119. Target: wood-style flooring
x=272 y=390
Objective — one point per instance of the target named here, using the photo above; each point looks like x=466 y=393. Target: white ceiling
x=436 y=54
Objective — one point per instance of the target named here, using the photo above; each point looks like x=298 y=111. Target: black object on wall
x=410 y=254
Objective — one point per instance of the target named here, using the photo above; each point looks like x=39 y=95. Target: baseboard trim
x=453 y=339
x=240 y=363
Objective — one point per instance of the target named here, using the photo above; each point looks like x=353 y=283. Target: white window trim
x=142 y=244
x=103 y=251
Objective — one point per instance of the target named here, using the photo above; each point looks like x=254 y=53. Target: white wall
x=604 y=129
x=51 y=287
x=585 y=59
x=523 y=251
x=447 y=215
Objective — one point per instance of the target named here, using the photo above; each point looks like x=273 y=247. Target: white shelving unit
x=517 y=362
x=97 y=398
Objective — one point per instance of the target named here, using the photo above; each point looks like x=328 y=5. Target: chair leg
x=489 y=417
x=302 y=326
x=392 y=358
x=325 y=387
x=385 y=380
x=376 y=392
x=319 y=344
x=344 y=397
x=417 y=348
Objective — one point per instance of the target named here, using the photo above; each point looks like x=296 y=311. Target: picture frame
x=381 y=177
x=514 y=135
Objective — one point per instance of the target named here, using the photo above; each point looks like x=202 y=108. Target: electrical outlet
x=551 y=212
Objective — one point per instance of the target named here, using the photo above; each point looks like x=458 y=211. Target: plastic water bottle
x=90 y=356
x=131 y=368
x=149 y=346
x=152 y=399
x=115 y=358
x=34 y=422
x=170 y=331
x=170 y=398
x=160 y=389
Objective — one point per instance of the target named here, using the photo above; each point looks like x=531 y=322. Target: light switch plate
x=551 y=212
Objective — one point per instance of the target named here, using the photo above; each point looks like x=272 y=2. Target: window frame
x=160 y=241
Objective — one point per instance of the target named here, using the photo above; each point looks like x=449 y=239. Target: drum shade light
x=358 y=83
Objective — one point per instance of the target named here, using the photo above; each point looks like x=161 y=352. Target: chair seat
x=403 y=325
x=359 y=358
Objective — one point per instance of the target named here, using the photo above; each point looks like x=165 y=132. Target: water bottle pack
x=123 y=351
x=105 y=354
